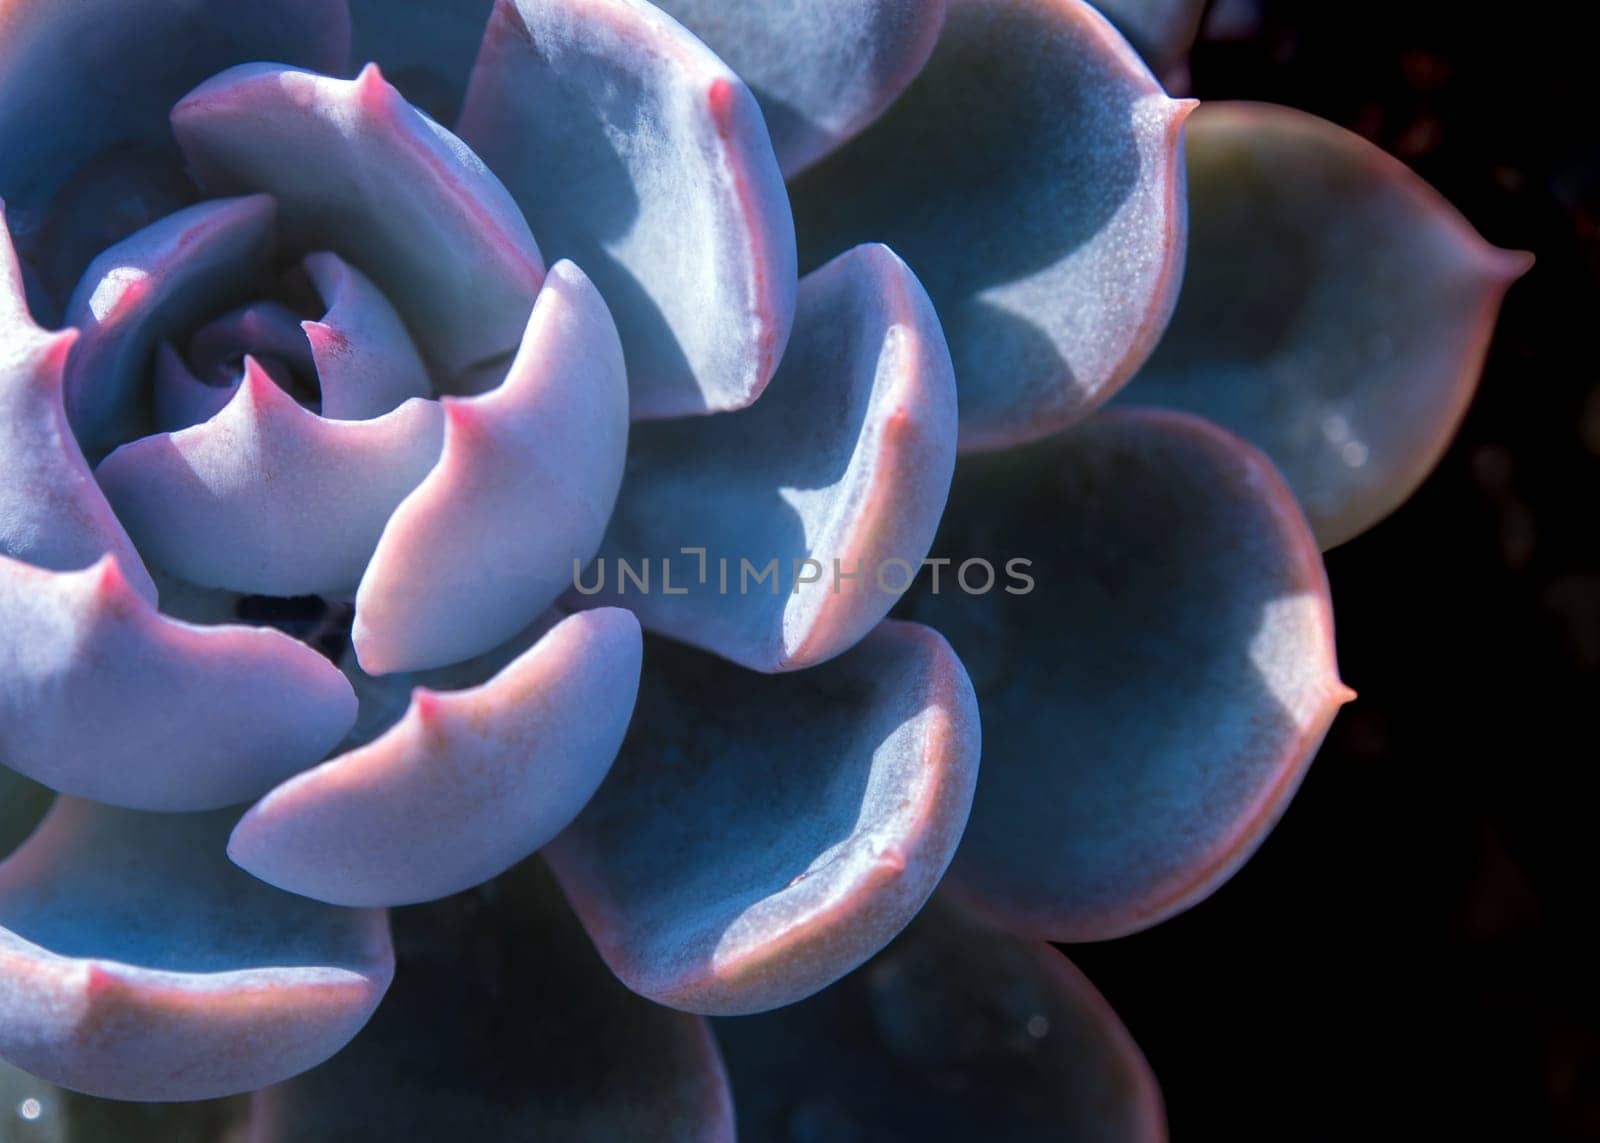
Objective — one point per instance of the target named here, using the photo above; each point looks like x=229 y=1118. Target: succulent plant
x=339 y=448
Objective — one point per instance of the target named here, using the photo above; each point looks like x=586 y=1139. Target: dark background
x=1406 y=956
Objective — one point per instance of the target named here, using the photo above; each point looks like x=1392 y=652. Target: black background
x=1406 y=956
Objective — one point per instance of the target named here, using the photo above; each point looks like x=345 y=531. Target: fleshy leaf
x=822 y=70
x=465 y=785
x=268 y=497
x=359 y=171
x=52 y=513
x=366 y=362
x=838 y=795
x=1162 y=30
x=425 y=47
x=639 y=155
x=844 y=462
x=86 y=156
x=137 y=963
x=953 y=1032
x=149 y=287
x=1032 y=174
x=104 y=697
x=522 y=491
x=385 y=699
x=1153 y=683
x=188 y=391
x=1336 y=310
x=503 y=1024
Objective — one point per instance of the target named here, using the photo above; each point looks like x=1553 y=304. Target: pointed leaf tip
x=148 y=288
x=1336 y=311
x=463 y=786
x=639 y=155
x=229 y=502
x=52 y=513
x=136 y=963
x=185 y=717
x=425 y=48
x=366 y=362
x=358 y=171
x=463 y=563
x=823 y=70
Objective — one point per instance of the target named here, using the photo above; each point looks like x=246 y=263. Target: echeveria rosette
x=316 y=344
x=338 y=364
